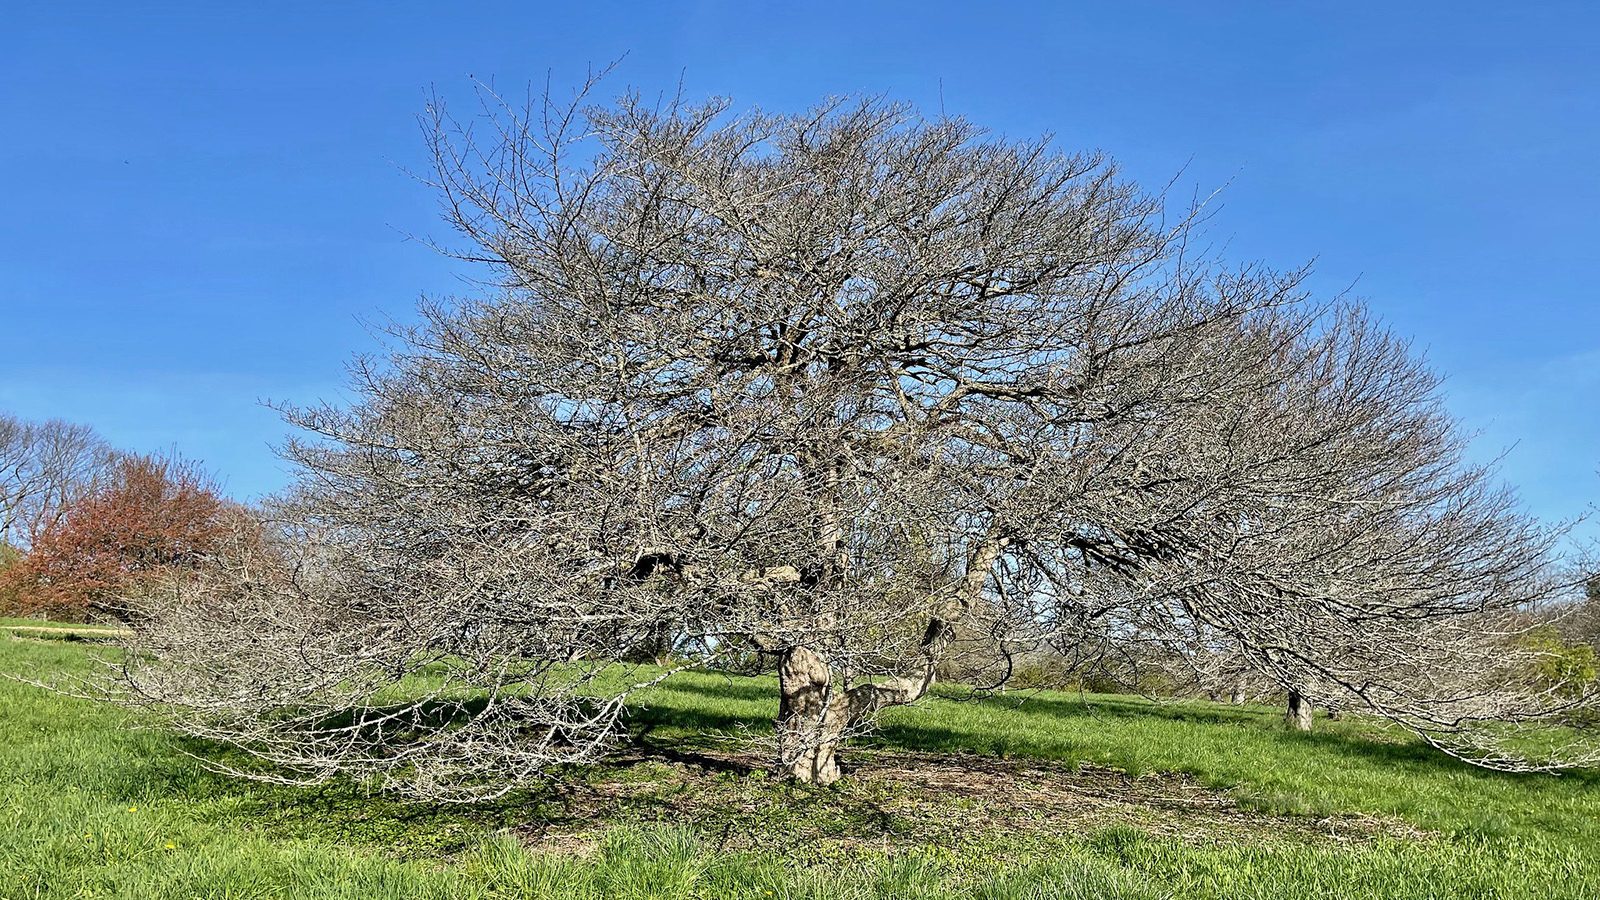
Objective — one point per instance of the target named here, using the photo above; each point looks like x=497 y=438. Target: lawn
x=1040 y=795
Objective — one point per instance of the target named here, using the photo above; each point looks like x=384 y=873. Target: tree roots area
x=898 y=802
x=1027 y=794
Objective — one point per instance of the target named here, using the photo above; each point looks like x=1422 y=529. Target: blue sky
x=201 y=203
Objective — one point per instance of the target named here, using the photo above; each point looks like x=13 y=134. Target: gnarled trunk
x=1298 y=716
x=817 y=710
x=813 y=714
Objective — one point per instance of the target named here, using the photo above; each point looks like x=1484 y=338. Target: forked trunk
x=813 y=714
x=1299 y=713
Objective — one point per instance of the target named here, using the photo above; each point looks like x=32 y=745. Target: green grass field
x=1042 y=795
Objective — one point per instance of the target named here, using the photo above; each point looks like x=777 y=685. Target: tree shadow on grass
x=344 y=811
x=1100 y=707
x=717 y=690
x=1362 y=743
x=678 y=763
x=704 y=723
x=923 y=737
x=648 y=719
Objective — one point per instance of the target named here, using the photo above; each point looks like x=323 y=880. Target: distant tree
x=150 y=515
x=44 y=468
x=1588 y=616
x=9 y=557
x=854 y=389
x=1570 y=666
x=1579 y=620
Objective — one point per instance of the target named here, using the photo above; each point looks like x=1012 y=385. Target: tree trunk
x=1237 y=696
x=1299 y=713
x=813 y=714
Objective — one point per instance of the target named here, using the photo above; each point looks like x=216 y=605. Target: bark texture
x=1298 y=715
x=813 y=716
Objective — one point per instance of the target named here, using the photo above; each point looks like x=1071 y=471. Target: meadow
x=1020 y=795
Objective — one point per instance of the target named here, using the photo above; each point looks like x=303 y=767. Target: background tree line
x=84 y=526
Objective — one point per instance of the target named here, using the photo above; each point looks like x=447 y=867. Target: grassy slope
x=91 y=805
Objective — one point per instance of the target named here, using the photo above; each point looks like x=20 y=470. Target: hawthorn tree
x=151 y=515
x=857 y=389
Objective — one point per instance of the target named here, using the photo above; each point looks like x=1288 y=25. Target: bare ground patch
x=895 y=801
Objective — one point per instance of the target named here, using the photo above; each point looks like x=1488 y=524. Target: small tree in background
x=45 y=467
x=1586 y=620
x=9 y=557
x=153 y=514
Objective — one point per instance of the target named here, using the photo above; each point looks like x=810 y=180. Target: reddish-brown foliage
x=154 y=514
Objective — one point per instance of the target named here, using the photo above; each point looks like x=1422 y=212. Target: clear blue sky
x=200 y=203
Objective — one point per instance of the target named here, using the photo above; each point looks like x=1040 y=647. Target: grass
x=70 y=631
x=1046 y=795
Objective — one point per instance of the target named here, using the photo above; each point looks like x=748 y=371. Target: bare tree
x=1579 y=618
x=854 y=388
x=44 y=468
